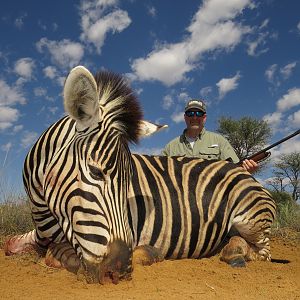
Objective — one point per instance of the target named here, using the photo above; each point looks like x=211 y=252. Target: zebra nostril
x=117 y=264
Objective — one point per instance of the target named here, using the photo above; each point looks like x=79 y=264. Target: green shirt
x=208 y=145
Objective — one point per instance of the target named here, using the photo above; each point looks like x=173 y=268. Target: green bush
x=288 y=211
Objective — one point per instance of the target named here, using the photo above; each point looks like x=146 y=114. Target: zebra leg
x=146 y=255
x=62 y=255
x=236 y=252
x=22 y=243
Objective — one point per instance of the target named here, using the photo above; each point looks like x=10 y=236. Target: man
x=196 y=141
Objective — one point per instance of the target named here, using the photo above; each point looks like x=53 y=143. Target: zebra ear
x=147 y=128
x=81 y=97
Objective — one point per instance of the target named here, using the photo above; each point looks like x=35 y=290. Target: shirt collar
x=183 y=138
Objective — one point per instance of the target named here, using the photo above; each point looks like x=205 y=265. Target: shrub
x=15 y=216
x=288 y=211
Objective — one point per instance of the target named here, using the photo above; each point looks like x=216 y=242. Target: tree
x=278 y=182
x=288 y=166
x=246 y=135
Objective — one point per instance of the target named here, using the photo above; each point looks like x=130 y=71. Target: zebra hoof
x=238 y=262
x=62 y=256
x=235 y=252
x=146 y=255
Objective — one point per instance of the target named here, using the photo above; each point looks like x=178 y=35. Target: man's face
x=194 y=119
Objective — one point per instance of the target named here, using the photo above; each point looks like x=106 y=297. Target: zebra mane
x=119 y=103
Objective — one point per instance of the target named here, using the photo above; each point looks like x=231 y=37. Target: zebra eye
x=96 y=173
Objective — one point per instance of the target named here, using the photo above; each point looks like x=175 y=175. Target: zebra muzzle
x=116 y=265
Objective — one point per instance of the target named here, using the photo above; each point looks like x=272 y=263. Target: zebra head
x=88 y=195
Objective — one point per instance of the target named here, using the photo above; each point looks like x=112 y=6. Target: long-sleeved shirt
x=208 y=145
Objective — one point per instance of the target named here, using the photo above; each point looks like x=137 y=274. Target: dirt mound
x=26 y=277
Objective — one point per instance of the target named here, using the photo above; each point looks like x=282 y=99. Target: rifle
x=264 y=153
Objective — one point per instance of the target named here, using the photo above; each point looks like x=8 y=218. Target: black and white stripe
x=186 y=207
x=87 y=188
x=77 y=174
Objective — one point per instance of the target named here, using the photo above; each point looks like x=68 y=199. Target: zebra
x=172 y=207
x=77 y=174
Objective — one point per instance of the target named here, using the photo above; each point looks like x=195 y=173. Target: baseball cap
x=194 y=103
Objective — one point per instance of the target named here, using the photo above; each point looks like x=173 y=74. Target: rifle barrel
x=282 y=140
x=273 y=145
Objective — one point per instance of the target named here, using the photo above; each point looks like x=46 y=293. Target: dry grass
x=288 y=216
x=15 y=217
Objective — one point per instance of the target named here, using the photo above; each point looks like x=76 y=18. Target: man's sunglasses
x=191 y=113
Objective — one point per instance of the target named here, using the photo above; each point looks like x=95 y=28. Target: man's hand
x=250 y=165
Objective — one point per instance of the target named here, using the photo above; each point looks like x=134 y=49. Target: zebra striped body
x=85 y=187
x=186 y=207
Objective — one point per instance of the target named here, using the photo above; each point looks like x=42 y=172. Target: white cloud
x=275 y=75
x=39 y=91
x=167 y=65
x=6 y=147
x=294 y=119
x=10 y=95
x=257 y=46
x=28 y=139
x=61 y=80
x=183 y=97
x=50 y=72
x=213 y=21
x=254 y=45
x=289 y=100
x=298 y=26
x=151 y=11
x=177 y=117
x=292 y=145
x=204 y=92
x=42 y=92
x=287 y=70
x=270 y=72
x=19 y=22
x=42 y=25
x=17 y=128
x=24 y=67
x=273 y=119
x=8 y=116
x=54 y=26
x=53 y=110
x=95 y=23
x=226 y=85
x=264 y=24
x=168 y=102
x=65 y=53
x=147 y=151
x=138 y=91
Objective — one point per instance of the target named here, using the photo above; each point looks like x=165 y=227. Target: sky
x=240 y=56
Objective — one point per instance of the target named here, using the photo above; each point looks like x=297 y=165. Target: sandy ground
x=25 y=277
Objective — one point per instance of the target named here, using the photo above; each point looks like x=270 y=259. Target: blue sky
x=241 y=56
